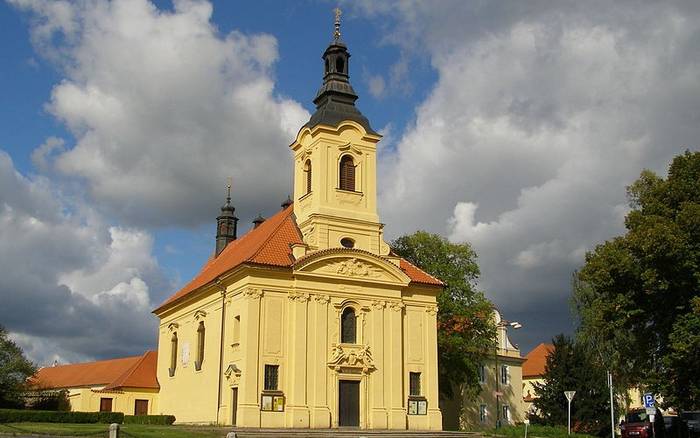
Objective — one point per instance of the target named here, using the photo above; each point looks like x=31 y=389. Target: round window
x=347 y=242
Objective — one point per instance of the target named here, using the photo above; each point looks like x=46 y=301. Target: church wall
x=190 y=394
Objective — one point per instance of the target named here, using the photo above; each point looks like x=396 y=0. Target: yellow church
x=308 y=320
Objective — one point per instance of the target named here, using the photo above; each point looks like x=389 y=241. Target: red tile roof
x=134 y=372
x=269 y=244
x=536 y=360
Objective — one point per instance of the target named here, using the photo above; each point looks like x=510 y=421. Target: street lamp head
x=516 y=325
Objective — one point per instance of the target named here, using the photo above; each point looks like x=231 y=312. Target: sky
x=514 y=126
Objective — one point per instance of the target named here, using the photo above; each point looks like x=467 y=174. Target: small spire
x=258 y=220
x=287 y=202
x=228 y=190
x=336 y=33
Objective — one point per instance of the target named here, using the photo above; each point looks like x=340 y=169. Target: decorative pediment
x=199 y=314
x=351 y=356
x=349 y=147
x=173 y=326
x=233 y=374
x=351 y=264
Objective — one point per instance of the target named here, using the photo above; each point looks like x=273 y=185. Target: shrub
x=25 y=416
x=149 y=419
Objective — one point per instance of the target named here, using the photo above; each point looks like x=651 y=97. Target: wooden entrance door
x=349 y=403
x=141 y=407
x=234 y=405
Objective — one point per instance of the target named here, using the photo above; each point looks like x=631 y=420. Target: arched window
x=347 y=326
x=339 y=65
x=200 y=346
x=327 y=66
x=347 y=173
x=173 y=354
x=307 y=170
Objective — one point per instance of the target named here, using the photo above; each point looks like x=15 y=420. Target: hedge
x=25 y=416
x=149 y=419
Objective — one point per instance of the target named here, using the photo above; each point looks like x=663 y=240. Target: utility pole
x=612 y=406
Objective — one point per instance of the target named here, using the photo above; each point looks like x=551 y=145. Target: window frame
x=414 y=384
x=343 y=178
x=267 y=385
x=201 y=336
x=343 y=331
x=505 y=375
x=482 y=373
x=173 y=354
x=483 y=413
x=308 y=169
x=111 y=404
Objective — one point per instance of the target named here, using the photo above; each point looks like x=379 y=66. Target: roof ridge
x=126 y=374
x=272 y=234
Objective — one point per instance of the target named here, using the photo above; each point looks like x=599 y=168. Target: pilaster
x=378 y=414
x=297 y=407
x=249 y=391
x=394 y=379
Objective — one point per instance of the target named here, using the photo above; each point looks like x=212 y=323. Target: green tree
x=571 y=367
x=466 y=331
x=633 y=295
x=14 y=371
x=680 y=378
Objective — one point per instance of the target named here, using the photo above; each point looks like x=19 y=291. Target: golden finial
x=336 y=34
x=229 y=180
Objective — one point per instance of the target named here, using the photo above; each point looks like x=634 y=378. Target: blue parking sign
x=649 y=400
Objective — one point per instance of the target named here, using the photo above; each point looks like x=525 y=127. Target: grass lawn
x=130 y=430
x=534 y=431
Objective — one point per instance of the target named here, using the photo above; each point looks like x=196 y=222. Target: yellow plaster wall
x=123 y=400
x=292 y=319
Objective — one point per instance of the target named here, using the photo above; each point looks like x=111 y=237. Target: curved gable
x=352 y=264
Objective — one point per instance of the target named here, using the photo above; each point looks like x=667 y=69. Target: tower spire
x=226 y=223
x=336 y=33
x=335 y=100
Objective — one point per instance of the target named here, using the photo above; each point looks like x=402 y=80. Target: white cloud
x=540 y=117
x=164 y=108
x=65 y=272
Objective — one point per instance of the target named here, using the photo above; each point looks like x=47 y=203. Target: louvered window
x=307 y=170
x=347 y=174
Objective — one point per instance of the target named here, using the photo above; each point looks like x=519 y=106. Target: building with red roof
x=127 y=385
x=533 y=371
x=307 y=320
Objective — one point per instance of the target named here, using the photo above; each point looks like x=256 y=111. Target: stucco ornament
x=322 y=299
x=396 y=306
x=199 y=314
x=431 y=310
x=352 y=356
x=298 y=296
x=233 y=374
x=378 y=304
x=252 y=293
x=355 y=268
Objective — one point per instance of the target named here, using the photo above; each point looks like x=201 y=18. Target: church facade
x=308 y=320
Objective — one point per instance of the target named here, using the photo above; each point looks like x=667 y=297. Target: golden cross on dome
x=336 y=34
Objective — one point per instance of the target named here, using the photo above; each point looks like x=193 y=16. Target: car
x=692 y=419
x=675 y=427
x=637 y=424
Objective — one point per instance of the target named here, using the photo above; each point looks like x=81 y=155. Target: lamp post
x=502 y=324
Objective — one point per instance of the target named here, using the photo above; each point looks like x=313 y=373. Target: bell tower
x=335 y=164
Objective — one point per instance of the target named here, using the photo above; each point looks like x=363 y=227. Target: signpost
x=569 y=396
x=650 y=406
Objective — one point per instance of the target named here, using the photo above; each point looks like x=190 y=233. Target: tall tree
x=14 y=371
x=633 y=295
x=466 y=328
x=571 y=367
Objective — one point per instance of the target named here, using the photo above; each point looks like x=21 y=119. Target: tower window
x=340 y=65
x=307 y=170
x=173 y=354
x=347 y=173
x=347 y=242
x=327 y=66
x=200 y=346
x=347 y=329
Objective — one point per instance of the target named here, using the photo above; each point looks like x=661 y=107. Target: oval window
x=347 y=242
